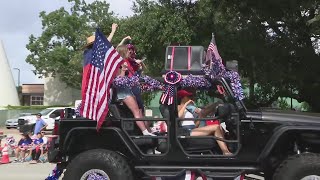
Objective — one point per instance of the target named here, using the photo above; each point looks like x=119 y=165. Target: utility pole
x=18 y=76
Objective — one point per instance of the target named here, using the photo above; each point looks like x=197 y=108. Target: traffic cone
x=5 y=155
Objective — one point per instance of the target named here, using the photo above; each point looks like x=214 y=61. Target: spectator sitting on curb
x=44 y=138
x=44 y=147
x=23 y=147
x=36 y=149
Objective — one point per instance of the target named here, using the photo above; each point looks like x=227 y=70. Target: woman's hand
x=141 y=64
x=182 y=108
x=128 y=37
x=139 y=61
x=113 y=30
x=124 y=67
x=122 y=41
x=189 y=102
x=114 y=27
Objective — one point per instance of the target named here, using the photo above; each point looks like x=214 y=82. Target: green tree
x=153 y=27
x=58 y=51
x=274 y=41
x=277 y=49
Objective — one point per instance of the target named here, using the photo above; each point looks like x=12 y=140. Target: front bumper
x=11 y=125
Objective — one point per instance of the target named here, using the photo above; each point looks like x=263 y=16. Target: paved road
x=25 y=171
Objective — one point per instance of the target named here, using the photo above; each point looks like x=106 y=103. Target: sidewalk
x=25 y=171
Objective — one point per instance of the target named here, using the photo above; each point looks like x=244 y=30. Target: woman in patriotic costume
x=125 y=93
x=136 y=67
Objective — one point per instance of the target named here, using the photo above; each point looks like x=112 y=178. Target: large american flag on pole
x=219 y=70
x=98 y=73
x=215 y=58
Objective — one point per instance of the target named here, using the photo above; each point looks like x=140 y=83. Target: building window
x=36 y=100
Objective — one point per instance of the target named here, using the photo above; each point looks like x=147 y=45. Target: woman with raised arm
x=125 y=94
x=87 y=54
x=135 y=68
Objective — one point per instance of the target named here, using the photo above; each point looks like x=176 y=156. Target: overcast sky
x=19 y=19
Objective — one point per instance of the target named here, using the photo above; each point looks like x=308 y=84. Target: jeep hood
x=13 y=120
x=290 y=117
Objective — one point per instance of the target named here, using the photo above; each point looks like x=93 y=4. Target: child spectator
x=36 y=149
x=44 y=138
x=23 y=146
x=44 y=147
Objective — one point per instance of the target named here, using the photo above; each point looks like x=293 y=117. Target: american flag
x=219 y=70
x=213 y=48
x=215 y=59
x=98 y=73
x=167 y=95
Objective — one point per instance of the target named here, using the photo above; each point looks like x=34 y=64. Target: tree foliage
x=278 y=49
x=273 y=40
x=58 y=51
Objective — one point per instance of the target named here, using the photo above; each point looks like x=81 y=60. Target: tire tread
x=279 y=175
x=115 y=157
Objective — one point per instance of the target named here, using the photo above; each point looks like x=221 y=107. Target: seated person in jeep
x=214 y=129
x=207 y=110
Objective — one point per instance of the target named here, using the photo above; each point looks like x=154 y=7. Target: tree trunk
x=251 y=88
x=252 y=81
x=315 y=105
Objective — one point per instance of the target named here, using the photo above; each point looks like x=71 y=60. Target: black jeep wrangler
x=274 y=145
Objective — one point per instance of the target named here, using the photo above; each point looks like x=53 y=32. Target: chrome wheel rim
x=98 y=173
x=311 y=177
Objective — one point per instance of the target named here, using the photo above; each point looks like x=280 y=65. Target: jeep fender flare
x=278 y=134
x=107 y=138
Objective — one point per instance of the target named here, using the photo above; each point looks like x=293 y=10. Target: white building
x=58 y=93
x=8 y=91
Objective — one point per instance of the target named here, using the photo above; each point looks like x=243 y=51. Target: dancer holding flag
x=125 y=94
x=98 y=75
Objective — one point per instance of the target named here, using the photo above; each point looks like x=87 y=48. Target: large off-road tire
x=108 y=164
x=299 y=167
